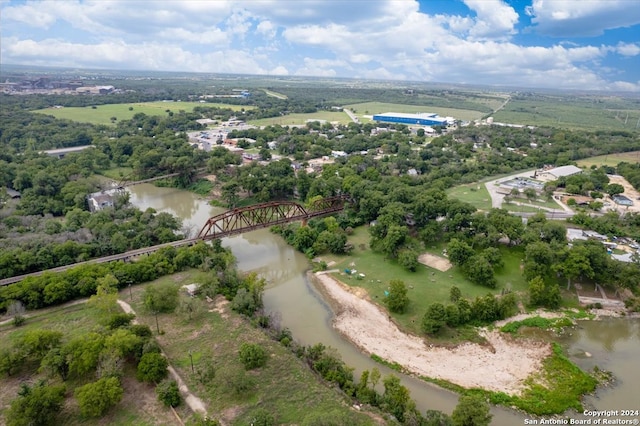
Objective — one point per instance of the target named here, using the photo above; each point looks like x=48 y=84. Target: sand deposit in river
x=501 y=366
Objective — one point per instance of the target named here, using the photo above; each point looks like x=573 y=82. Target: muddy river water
x=612 y=344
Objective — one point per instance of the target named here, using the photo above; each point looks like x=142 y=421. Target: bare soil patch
x=502 y=365
x=437 y=262
x=629 y=192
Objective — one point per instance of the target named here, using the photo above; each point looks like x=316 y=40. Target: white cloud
x=583 y=18
x=495 y=19
x=628 y=49
x=266 y=29
x=384 y=39
x=279 y=70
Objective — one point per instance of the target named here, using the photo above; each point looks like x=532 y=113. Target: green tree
x=471 y=411
x=96 y=398
x=479 y=271
x=252 y=356
x=160 y=298
x=106 y=297
x=83 y=353
x=454 y=294
x=396 y=236
x=538 y=260
x=37 y=343
x=408 y=259
x=434 y=319
x=396 y=399
x=39 y=405
x=459 y=252
x=230 y=193
x=168 y=393
x=576 y=264
x=614 y=189
x=397 y=299
x=152 y=367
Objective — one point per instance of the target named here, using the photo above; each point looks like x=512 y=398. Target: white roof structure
x=564 y=171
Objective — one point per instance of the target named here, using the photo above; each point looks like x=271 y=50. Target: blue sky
x=564 y=44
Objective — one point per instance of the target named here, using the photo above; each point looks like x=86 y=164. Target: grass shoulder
x=211 y=341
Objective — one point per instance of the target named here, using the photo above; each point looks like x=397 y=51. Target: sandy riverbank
x=501 y=366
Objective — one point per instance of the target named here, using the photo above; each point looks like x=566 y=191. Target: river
x=614 y=344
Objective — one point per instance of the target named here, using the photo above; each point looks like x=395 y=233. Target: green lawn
x=102 y=113
x=426 y=285
x=475 y=194
x=285 y=386
x=274 y=94
x=293 y=119
x=515 y=208
x=370 y=108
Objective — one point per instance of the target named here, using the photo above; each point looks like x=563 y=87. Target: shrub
x=252 y=356
x=263 y=417
x=152 y=367
x=36 y=406
x=120 y=320
x=141 y=330
x=97 y=397
x=169 y=393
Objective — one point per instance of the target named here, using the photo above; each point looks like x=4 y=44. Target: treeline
x=33 y=243
x=55 y=288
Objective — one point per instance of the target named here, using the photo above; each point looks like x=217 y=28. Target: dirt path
x=501 y=366
x=195 y=404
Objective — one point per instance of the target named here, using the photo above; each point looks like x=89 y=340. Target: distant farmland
x=611 y=159
x=572 y=113
x=102 y=113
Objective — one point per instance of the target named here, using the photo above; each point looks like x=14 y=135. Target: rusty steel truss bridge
x=231 y=222
x=264 y=215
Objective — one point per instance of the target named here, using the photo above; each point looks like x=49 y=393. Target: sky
x=556 y=44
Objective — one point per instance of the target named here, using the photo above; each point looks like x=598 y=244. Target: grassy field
x=102 y=113
x=284 y=387
x=565 y=113
x=139 y=405
x=370 y=108
x=275 y=94
x=426 y=285
x=118 y=173
x=610 y=159
x=475 y=194
x=292 y=119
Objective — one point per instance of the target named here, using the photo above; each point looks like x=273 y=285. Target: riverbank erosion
x=502 y=365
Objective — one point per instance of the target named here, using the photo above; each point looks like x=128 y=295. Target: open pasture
x=610 y=159
x=475 y=194
x=297 y=119
x=575 y=114
x=370 y=108
x=102 y=114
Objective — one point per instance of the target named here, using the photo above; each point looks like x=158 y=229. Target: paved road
x=352 y=115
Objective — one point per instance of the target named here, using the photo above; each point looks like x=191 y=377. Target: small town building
x=102 y=200
x=621 y=200
x=558 y=172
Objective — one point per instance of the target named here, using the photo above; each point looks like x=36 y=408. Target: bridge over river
x=231 y=222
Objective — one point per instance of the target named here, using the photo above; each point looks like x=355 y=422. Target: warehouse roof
x=564 y=171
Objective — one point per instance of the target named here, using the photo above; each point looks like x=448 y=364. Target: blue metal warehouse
x=423 y=119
